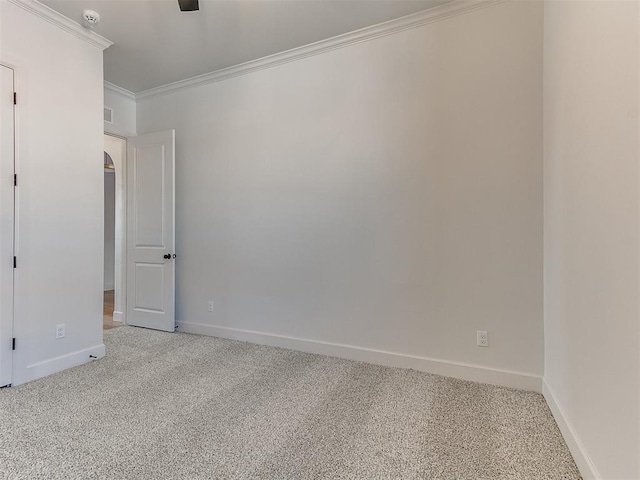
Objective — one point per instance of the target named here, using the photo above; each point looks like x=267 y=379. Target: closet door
x=7 y=209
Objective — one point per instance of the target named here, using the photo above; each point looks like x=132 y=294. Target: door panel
x=150 y=187
x=7 y=210
x=151 y=222
x=150 y=287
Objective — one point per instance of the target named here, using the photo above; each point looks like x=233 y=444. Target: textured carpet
x=177 y=406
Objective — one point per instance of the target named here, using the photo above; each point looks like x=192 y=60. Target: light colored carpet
x=177 y=406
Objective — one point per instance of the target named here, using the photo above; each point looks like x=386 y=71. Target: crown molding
x=66 y=24
x=431 y=15
x=119 y=90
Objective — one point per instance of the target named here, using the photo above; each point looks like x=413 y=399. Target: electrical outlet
x=482 y=338
x=60 y=333
x=210 y=306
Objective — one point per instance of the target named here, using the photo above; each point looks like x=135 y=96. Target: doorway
x=114 y=289
x=144 y=271
x=109 y=243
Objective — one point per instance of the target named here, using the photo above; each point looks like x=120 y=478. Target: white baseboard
x=118 y=316
x=464 y=371
x=582 y=459
x=57 y=364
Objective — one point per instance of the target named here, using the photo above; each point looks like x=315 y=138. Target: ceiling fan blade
x=188 y=5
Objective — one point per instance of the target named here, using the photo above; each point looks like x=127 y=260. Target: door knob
x=167 y=256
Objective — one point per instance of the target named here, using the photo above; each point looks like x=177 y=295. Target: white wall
x=386 y=195
x=59 y=197
x=109 y=229
x=124 y=111
x=591 y=218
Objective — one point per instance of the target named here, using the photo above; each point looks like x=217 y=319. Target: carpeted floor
x=177 y=406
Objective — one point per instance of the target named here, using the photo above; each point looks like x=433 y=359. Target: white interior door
x=151 y=231
x=6 y=223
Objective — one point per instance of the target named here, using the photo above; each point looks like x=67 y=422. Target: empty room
x=320 y=239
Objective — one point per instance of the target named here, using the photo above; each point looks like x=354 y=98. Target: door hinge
x=13 y=344
x=15 y=98
x=15 y=179
x=15 y=262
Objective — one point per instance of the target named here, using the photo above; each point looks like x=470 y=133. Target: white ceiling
x=156 y=44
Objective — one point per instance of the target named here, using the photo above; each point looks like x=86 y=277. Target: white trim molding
x=66 y=24
x=58 y=364
x=587 y=469
x=463 y=371
x=435 y=14
x=119 y=90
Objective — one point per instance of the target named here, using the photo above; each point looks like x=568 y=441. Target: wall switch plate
x=60 y=333
x=482 y=338
x=210 y=306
